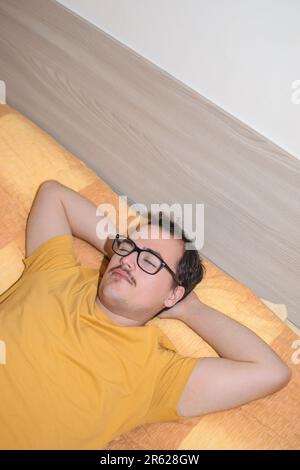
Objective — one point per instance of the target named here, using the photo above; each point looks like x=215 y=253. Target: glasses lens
x=122 y=246
x=149 y=262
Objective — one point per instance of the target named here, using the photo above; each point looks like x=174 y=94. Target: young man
x=82 y=366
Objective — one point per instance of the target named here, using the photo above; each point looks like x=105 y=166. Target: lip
x=122 y=274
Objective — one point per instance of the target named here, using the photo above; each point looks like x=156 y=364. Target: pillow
x=28 y=156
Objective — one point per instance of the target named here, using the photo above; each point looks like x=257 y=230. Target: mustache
x=130 y=278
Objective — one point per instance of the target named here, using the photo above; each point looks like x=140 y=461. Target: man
x=82 y=366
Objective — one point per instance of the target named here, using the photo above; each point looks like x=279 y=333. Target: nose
x=130 y=260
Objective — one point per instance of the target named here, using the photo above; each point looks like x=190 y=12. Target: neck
x=119 y=320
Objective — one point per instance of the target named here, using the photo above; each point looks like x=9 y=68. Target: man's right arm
x=59 y=210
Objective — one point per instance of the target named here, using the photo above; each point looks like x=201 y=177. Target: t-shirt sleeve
x=54 y=254
x=174 y=372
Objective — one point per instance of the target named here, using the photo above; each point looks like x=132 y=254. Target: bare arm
x=246 y=370
x=229 y=338
x=59 y=210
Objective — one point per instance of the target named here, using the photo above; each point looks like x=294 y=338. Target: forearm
x=82 y=218
x=229 y=338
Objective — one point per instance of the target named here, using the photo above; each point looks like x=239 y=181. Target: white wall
x=241 y=54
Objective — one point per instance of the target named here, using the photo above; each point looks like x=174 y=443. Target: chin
x=109 y=293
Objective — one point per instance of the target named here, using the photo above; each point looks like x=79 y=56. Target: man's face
x=141 y=295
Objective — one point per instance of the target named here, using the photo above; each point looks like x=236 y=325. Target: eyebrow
x=152 y=251
x=149 y=249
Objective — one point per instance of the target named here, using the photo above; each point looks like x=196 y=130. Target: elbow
x=275 y=376
x=47 y=183
x=282 y=376
x=287 y=375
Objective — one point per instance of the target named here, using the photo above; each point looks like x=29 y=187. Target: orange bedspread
x=29 y=156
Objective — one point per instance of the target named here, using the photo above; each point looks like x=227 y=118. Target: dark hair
x=190 y=269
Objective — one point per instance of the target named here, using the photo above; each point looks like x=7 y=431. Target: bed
x=28 y=156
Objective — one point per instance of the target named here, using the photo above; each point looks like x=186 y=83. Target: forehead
x=170 y=249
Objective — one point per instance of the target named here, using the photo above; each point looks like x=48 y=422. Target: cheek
x=113 y=263
x=110 y=266
x=153 y=286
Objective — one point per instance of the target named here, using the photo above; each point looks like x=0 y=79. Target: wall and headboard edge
x=152 y=138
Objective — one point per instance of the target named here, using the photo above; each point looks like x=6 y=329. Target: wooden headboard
x=153 y=139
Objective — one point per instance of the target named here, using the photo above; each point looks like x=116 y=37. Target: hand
x=181 y=308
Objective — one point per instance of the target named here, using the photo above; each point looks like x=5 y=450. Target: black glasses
x=148 y=261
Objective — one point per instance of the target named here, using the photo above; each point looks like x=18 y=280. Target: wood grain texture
x=152 y=138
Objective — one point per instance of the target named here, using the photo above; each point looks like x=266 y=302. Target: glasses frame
x=139 y=251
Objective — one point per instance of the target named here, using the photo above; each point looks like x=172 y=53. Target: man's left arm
x=246 y=370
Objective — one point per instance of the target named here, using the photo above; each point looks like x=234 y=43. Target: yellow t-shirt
x=73 y=379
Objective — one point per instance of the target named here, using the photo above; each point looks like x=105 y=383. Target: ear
x=174 y=297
